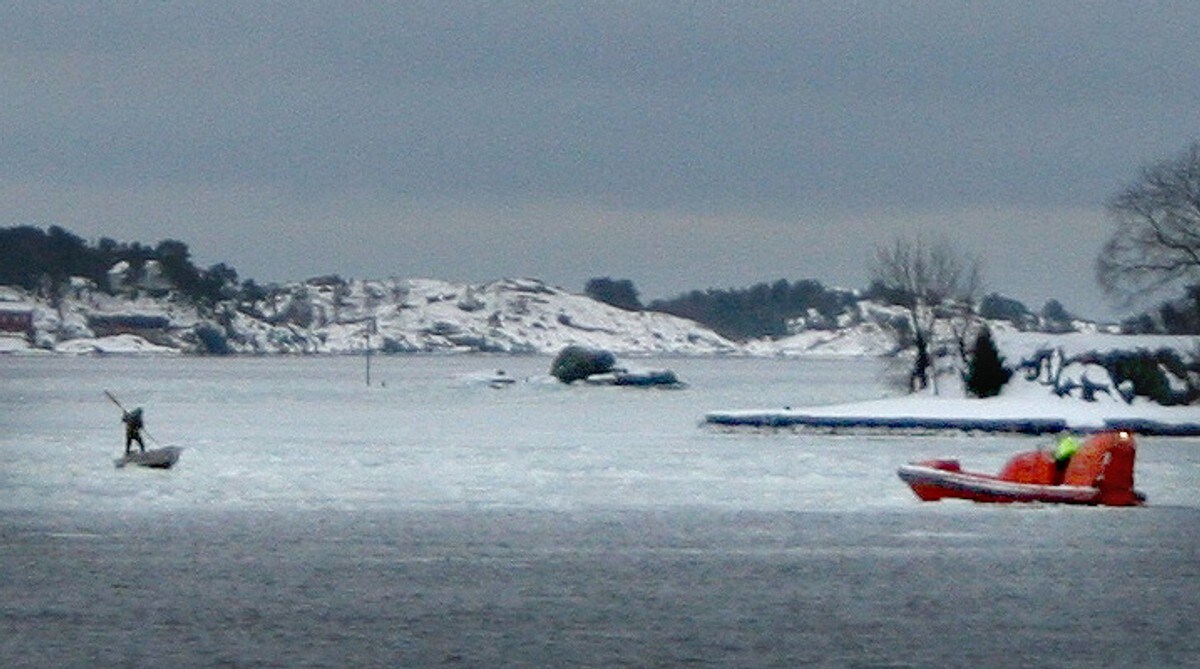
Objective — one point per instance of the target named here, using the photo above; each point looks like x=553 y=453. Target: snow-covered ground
x=530 y=317
x=394 y=315
x=1047 y=396
x=1021 y=410
x=428 y=315
x=861 y=339
x=1025 y=403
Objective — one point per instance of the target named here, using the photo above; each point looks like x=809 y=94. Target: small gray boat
x=156 y=458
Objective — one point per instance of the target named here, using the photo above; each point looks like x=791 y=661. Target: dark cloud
x=395 y=133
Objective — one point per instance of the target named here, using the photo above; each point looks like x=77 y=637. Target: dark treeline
x=1178 y=317
x=761 y=310
x=45 y=260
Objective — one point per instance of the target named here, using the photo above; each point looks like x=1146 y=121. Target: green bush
x=986 y=374
x=576 y=362
x=1144 y=369
x=212 y=339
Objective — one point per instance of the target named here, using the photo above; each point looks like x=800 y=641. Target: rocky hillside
x=332 y=315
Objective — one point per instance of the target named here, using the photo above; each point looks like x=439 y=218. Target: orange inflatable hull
x=1100 y=473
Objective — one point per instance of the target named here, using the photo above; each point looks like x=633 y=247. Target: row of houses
x=17 y=316
x=16 y=319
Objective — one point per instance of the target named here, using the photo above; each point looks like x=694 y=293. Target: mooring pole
x=372 y=328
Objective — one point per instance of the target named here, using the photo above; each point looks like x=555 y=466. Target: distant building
x=107 y=325
x=16 y=318
x=152 y=280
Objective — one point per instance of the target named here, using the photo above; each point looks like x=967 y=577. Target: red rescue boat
x=1100 y=473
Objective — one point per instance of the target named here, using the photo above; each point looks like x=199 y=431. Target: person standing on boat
x=133 y=429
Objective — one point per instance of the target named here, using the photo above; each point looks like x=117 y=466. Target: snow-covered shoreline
x=526 y=316
x=925 y=414
x=1028 y=404
x=336 y=317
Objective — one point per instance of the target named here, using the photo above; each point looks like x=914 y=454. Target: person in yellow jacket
x=1067 y=447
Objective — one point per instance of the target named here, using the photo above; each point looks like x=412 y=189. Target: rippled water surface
x=431 y=520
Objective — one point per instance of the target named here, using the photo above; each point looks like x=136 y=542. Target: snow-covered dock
x=1048 y=401
x=1035 y=426
x=1027 y=415
x=784 y=419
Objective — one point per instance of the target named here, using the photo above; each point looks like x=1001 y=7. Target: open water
x=429 y=520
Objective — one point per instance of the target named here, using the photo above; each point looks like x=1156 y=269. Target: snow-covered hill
x=861 y=331
x=336 y=316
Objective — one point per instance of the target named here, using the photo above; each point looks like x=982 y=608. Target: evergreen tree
x=986 y=374
x=37 y=260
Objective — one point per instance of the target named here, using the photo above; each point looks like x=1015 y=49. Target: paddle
x=122 y=408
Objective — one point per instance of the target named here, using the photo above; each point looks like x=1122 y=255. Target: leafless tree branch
x=932 y=277
x=1156 y=241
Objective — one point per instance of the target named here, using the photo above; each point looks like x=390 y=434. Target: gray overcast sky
x=678 y=144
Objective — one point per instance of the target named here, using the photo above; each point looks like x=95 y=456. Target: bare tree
x=935 y=281
x=932 y=272
x=1156 y=244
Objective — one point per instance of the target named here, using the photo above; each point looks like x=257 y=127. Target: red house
x=16 y=320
